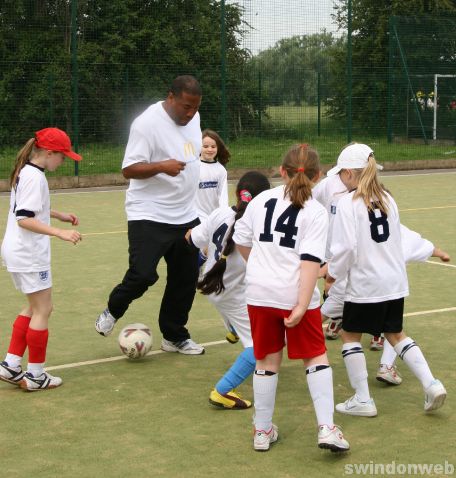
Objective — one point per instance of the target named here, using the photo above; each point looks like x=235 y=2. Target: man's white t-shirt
x=366 y=249
x=212 y=189
x=281 y=236
x=23 y=250
x=155 y=137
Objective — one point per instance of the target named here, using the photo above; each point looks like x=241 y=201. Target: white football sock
x=13 y=361
x=355 y=362
x=389 y=355
x=264 y=393
x=411 y=354
x=320 y=383
x=36 y=369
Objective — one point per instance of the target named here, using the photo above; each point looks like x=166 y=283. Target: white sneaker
x=332 y=438
x=353 y=406
x=262 y=440
x=105 y=323
x=187 y=347
x=9 y=374
x=434 y=396
x=376 y=343
x=333 y=329
x=388 y=375
x=42 y=382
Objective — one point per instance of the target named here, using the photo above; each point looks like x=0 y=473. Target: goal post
x=436 y=102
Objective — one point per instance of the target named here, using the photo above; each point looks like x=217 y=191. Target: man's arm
x=171 y=167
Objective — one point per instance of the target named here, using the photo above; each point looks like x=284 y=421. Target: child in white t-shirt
x=367 y=251
x=27 y=256
x=213 y=184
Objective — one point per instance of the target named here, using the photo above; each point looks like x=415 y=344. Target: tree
x=128 y=53
x=370 y=52
x=289 y=69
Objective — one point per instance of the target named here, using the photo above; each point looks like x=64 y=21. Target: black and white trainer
x=44 y=381
x=9 y=374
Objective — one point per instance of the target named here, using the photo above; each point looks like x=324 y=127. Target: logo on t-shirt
x=189 y=149
x=208 y=184
x=44 y=275
x=333 y=209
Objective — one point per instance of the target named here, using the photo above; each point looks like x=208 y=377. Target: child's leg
x=242 y=368
x=320 y=383
x=412 y=355
x=18 y=342
x=265 y=381
x=37 y=334
x=355 y=363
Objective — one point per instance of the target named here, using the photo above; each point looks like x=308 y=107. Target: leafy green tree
x=429 y=44
x=128 y=53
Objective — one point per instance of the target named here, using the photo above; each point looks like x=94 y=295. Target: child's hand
x=295 y=317
x=69 y=217
x=442 y=255
x=69 y=235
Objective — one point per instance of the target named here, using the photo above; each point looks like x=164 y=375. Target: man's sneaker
x=231 y=400
x=9 y=374
x=42 y=382
x=377 y=343
x=353 y=406
x=187 y=347
x=332 y=438
x=388 y=375
x=434 y=396
x=105 y=323
x=262 y=440
x=333 y=329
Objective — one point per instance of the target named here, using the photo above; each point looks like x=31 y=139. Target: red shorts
x=304 y=341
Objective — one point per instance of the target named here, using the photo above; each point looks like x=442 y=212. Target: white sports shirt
x=212 y=189
x=155 y=137
x=366 y=249
x=328 y=192
x=212 y=233
x=280 y=236
x=23 y=250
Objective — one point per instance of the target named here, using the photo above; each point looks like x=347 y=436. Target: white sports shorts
x=29 y=282
x=237 y=317
x=333 y=306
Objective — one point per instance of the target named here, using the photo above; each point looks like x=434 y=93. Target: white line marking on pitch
x=120 y=357
x=207 y=344
x=440 y=264
x=426 y=208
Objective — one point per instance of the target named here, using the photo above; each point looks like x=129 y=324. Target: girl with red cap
x=26 y=253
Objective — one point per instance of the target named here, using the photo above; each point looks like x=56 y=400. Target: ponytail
x=250 y=185
x=22 y=157
x=370 y=189
x=302 y=165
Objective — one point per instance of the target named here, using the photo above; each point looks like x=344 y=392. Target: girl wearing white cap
x=26 y=254
x=416 y=249
x=366 y=250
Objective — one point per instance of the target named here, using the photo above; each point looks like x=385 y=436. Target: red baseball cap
x=54 y=139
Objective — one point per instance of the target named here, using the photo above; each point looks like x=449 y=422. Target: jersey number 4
x=217 y=239
x=286 y=224
x=379 y=226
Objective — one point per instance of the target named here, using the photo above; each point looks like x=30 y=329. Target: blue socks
x=242 y=368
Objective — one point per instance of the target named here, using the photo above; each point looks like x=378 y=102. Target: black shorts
x=373 y=318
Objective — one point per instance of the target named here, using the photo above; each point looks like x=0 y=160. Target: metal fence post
x=74 y=80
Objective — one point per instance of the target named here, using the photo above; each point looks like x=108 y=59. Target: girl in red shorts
x=282 y=235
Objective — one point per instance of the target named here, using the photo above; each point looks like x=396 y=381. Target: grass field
x=121 y=418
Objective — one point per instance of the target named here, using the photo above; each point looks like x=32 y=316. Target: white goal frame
x=436 y=84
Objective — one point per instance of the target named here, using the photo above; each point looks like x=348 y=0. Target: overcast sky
x=276 y=19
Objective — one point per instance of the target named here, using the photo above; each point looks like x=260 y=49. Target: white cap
x=354 y=156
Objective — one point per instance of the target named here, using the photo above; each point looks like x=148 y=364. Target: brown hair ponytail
x=250 y=185
x=22 y=157
x=302 y=165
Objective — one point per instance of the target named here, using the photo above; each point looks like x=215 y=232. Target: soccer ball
x=135 y=340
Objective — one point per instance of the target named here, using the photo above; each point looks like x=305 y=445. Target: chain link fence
x=272 y=73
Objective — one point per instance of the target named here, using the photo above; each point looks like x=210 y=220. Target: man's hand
x=172 y=167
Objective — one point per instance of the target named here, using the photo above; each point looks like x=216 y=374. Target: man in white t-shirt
x=162 y=163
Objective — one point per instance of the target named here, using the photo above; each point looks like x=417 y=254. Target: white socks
x=355 y=362
x=264 y=393
x=320 y=383
x=411 y=354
